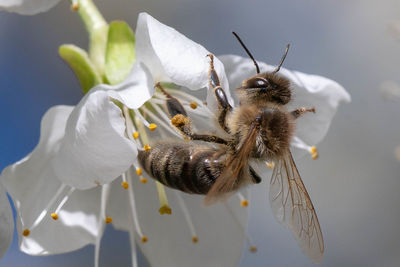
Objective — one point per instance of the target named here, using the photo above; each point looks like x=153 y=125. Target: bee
x=259 y=128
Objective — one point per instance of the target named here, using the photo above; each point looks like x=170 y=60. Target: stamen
x=124 y=183
x=26 y=232
x=75 y=5
x=48 y=206
x=193 y=104
x=186 y=214
x=139 y=115
x=133 y=209
x=135 y=135
x=163 y=115
x=54 y=216
x=133 y=247
x=139 y=171
x=297 y=142
x=269 y=164
x=105 y=191
x=252 y=247
x=243 y=201
x=65 y=199
x=108 y=220
x=143 y=180
x=164 y=207
x=152 y=126
x=160 y=122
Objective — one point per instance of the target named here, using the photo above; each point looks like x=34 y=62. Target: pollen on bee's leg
x=243 y=201
x=179 y=120
x=162 y=196
x=187 y=216
x=269 y=164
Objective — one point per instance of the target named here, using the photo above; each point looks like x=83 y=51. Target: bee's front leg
x=183 y=123
x=223 y=104
x=300 y=111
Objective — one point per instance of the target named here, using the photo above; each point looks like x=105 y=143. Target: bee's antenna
x=247 y=51
x=282 y=59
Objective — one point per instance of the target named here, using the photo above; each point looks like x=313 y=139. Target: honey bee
x=259 y=128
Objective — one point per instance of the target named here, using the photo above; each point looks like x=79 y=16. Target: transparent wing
x=292 y=207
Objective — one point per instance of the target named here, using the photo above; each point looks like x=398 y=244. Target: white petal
x=94 y=149
x=169 y=239
x=32 y=183
x=308 y=91
x=137 y=88
x=173 y=57
x=6 y=222
x=27 y=7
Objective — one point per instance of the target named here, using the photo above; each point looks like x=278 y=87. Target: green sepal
x=79 y=62
x=120 y=52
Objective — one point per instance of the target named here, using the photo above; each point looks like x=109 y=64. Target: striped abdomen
x=187 y=167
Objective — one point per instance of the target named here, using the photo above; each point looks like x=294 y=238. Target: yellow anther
x=152 y=126
x=270 y=165
x=253 y=249
x=146 y=147
x=195 y=239
x=314 y=155
x=193 y=105
x=313 y=150
x=75 y=6
x=244 y=203
x=139 y=171
x=165 y=209
x=54 y=216
x=96 y=182
x=108 y=220
x=179 y=120
x=143 y=180
x=135 y=135
x=144 y=239
x=26 y=232
x=125 y=185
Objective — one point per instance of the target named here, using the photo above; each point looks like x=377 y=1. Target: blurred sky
x=354 y=184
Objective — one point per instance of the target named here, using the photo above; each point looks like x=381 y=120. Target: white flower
x=27 y=7
x=6 y=222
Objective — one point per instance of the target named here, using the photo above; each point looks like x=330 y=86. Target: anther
x=193 y=105
x=143 y=180
x=152 y=126
x=314 y=152
x=146 y=147
x=244 y=203
x=135 y=135
x=125 y=185
x=165 y=209
x=144 y=239
x=75 y=6
x=195 y=239
x=108 y=220
x=26 y=232
x=139 y=171
x=270 y=165
x=54 y=216
x=253 y=249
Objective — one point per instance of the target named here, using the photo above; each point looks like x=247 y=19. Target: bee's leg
x=254 y=176
x=224 y=106
x=183 y=123
x=300 y=111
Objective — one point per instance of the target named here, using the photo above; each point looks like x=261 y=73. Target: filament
x=64 y=200
x=105 y=191
x=297 y=142
x=133 y=248
x=187 y=216
x=164 y=207
x=139 y=115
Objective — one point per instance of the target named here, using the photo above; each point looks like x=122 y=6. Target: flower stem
x=97 y=28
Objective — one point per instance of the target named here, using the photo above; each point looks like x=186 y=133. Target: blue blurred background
x=354 y=184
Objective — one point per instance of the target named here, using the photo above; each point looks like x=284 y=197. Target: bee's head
x=265 y=87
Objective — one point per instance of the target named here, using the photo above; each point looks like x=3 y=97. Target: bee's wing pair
x=288 y=196
x=292 y=207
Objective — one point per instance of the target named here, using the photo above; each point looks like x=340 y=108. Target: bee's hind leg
x=183 y=123
x=300 y=111
x=223 y=104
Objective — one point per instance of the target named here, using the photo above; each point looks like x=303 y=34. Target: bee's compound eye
x=257 y=83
